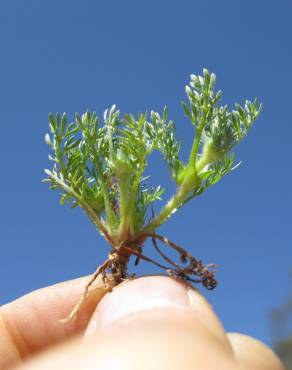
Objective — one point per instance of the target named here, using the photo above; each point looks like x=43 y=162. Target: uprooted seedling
x=100 y=168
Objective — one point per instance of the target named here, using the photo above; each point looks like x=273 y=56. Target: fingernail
x=141 y=294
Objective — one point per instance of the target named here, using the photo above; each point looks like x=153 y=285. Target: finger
x=147 y=323
x=252 y=354
x=159 y=322
x=31 y=323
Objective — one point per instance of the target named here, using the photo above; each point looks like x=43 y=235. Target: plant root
x=114 y=270
x=205 y=273
x=108 y=283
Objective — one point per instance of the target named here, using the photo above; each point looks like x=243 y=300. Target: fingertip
x=134 y=296
x=252 y=354
x=162 y=314
x=151 y=292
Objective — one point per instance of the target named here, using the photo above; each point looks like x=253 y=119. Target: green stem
x=201 y=163
x=195 y=148
x=110 y=215
x=196 y=143
x=111 y=220
x=128 y=222
x=209 y=156
x=170 y=208
x=124 y=185
x=190 y=181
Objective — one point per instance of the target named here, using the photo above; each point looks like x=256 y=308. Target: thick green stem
x=111 y=220
x=110 y=215
x=190 y=181
x=124 y=185
x=171 y=206
x=195 y=148
x=209 y=156
x=127 y=223
x=202 y=163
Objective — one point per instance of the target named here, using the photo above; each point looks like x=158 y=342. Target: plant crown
x=99 y=166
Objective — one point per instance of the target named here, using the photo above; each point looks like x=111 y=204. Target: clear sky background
x=73 y=55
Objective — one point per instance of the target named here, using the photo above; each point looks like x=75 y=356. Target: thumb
x=157 y=323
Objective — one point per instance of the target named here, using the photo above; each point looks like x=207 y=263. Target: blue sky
x=73 y=55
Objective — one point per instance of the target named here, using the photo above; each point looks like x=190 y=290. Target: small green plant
x=99 y=166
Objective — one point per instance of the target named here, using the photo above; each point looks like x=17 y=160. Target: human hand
x=152 y=323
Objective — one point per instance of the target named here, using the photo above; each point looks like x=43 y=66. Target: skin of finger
x=8 y=351
x=253 y=354
x=152 y=339
x=158 y=339
x=91 y=359
x=186 y=335
x=168 y=350
x=184 y=331
x=31 y=322
x=137 y=294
